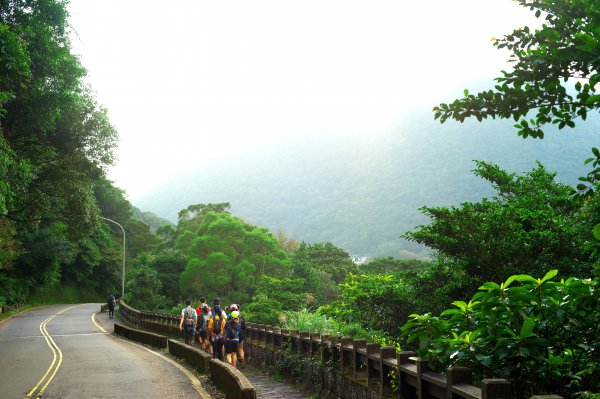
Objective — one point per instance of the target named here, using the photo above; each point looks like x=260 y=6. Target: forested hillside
x=362 y=193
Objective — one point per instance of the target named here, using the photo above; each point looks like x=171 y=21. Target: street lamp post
x=123 y=280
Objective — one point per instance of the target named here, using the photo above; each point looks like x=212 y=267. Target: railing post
x=457 y=375
x=422 y=367
x=386 y=353
x=276 y=339
x=496 y=388
x=262 y=336
x=285 y=336
x=358 y=345
x=304 y=342
x=346 y=355
x=269 y=337
x=405 y=390
x=373 y=364
x=315 y=344
x=326 y=354
x=294 y=340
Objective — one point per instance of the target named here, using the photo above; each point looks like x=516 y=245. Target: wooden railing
x=379 y=369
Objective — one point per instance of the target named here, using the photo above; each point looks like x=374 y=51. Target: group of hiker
x=218 y=333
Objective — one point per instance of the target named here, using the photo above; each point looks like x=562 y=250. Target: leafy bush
x=540 y=334
x=376 y=302
x=142 y=288
x=275 y=296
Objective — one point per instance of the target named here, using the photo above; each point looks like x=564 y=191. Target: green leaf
x=461 y=305
x=450 y=312
x=509 y=281
x=490 y=286
x=596 y=232
x=527 y=329
x=551 y=274
x=556 y=361
x=524 y=278
x=593 y=99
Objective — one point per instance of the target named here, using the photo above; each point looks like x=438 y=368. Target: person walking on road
x=188 y=318
x=111 y=301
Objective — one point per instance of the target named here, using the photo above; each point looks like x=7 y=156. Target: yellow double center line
x=54 y=366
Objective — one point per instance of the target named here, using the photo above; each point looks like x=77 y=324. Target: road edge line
x=195 y=381
x=22 y=311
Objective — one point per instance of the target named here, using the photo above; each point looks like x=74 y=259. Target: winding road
x=65 y=351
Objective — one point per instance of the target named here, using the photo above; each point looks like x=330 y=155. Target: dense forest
x=510 y=290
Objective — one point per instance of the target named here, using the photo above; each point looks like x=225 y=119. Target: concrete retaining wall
x=227 y=378
x=158 y=341
x=231 y=381
x=197 y=358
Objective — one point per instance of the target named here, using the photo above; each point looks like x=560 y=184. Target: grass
x=65 y=293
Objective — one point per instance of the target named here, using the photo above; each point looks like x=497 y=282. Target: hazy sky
x=193 y=81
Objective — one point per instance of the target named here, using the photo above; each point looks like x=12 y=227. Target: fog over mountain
x=362 y=193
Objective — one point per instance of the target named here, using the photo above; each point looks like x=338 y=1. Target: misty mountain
x=362 y=193
x=149 y=218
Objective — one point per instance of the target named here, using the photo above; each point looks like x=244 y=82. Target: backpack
x=203 y=321
x=232 y=331
x=111 y=300
x=189 y=317
x=217 y=324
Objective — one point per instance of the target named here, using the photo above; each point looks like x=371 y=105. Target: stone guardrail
x=229 y=379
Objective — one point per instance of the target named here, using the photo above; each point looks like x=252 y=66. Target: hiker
x=242 y=333
x=216 y=328
x=111 y=305
x=188 y=318
x=232 y=338
x=202 y=304
x=203 y=314
x=217 y=302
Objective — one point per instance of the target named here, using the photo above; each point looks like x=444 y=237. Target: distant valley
x=362 y=193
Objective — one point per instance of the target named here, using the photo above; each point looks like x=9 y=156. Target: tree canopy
x=545 y=61
x=226 y=256
x=55 y=144
x=531 y=223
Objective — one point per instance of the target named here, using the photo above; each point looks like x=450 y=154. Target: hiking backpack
x=217 y=324
x=189 y=317
x=203 y=319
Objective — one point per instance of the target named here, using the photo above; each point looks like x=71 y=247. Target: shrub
x=540 y=334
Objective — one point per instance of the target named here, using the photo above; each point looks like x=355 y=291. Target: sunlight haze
x=191 y=82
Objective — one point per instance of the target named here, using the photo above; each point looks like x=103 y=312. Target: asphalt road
x=62 y=352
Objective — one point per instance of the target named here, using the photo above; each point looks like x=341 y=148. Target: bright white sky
x=192 y=81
